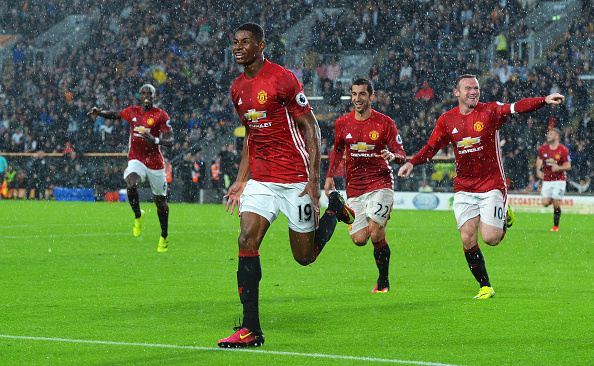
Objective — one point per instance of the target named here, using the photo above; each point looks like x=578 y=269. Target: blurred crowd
x=183 y=48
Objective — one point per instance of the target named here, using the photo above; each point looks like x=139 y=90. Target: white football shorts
x=268 y=199
x=554 y=189
x=490 y=206
x=156 y=178
x=375 y=205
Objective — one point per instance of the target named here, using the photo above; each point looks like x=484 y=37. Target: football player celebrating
x=480 y=197
x=149 y=128
x=278 y=172
x=371 y=141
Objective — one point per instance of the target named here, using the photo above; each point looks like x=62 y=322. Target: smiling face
x=361 y=101
x=468 y=92
x=247 y=48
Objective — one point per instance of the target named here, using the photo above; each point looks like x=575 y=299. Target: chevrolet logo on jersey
x=253 y=115
x=362 y=146
x=141 y=129
x=468 y=142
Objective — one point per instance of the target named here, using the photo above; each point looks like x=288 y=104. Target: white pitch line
x=317 y=355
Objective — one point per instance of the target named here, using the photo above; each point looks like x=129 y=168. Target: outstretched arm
x=532 y=104
x=105 y=114
x=423 y=156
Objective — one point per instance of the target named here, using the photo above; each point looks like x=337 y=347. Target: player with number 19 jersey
x=154 y=122
x=363 y=141
x=267 y=105
x=475 y=138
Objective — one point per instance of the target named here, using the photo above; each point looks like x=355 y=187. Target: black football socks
x=164 y=220
x=134 y=201
x=476 y=262
x=556 y=216
x=249 y=274
x=381 y=253
x=324 y=231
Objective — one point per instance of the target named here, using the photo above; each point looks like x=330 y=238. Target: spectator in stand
x=199 y=172
x=38 y=179
x=216 y=180
x=500 y=43
x=310 y=60
x=333 y=71
x=186 y=177
x=585 y=130
x=229 y=164
x=533 y=184
x=322 y=71
x=582 y=186
x=425 y=187
x=425 y=96
x=298 y=71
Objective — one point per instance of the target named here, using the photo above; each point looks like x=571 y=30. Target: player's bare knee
x=305 y=260
x=246 y=243
x=493 y=240
x=359 y=242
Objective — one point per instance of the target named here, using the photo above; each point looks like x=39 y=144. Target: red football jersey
x=551 y=157
x=154 y=122
x=267 y=105
x=475 y=138
x=363 y=140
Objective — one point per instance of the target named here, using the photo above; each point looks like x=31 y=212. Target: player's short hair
x=361 y=81
x=255 y=29
x=556 y=130
x=465 y=76
x=152 y=88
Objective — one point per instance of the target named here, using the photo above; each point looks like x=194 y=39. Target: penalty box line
x=247 y=350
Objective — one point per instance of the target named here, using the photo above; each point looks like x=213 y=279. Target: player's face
x=361 y=98
x=147 y=97
x=468 y=92
x=246 y=48
x=552 y=136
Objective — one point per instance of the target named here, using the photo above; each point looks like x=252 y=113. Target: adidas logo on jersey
x=348 y=136
x=455 y=130
x=240 y=102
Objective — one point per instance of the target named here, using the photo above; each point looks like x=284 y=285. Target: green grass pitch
x=78 y=289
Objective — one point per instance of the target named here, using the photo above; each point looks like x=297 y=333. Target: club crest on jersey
x=362 y=146
x=301 y=99
x=478 y=126
x=557 y=157
x=253 y=115
x=150 y=121
x=468 y=142
x=262 y=97
x=374 y=135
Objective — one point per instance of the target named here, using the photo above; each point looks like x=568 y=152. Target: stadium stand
x=182 y=48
